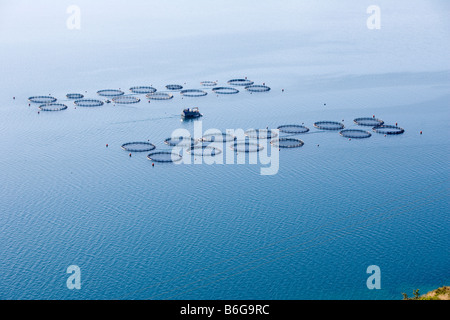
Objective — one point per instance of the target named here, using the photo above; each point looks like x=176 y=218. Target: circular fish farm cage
x=247 y=147
x=193 y=93
x=142 y=90
x=218 y=137
x=74 y=96
x=110 y=93
x=355 y=134
x=42 y=99
x=293 y=129
x=53 y=107
x=164 y=156
x=159 y=96
x=208 y=83
x=388 y=129
x=261 y=134
x=225 y=90
x=180 y=141
x=88 y=103
x=174 y=87
x=287 y=143
x=204 y=151
x=125 y=100
x=138 y=146
x=240 y=82
x=257 y=88
x=329 y=125
x=368 y=122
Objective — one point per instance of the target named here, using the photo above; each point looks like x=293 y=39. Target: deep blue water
x=224 y=231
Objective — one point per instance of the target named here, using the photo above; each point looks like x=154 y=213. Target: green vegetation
x=442 y=293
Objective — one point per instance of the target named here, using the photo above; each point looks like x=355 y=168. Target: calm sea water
x=225 y=231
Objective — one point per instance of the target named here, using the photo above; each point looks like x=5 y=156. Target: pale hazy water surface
x=224 y=231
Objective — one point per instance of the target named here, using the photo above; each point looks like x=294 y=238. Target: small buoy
x=385 y=135
x=130 y=154
x=317 y=145
x=420 y=132
x=29 y=104
x=282 y=90
x=350 y=139
x=396 y=124
x=324 y=104
x=264 y=83
x=153 y=164
x=14 y=98
x=373 y=116
x=39 y=112
x=107 y=145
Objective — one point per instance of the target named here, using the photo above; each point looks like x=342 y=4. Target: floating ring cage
x=225 y=90
x=208 y=83
x=240 y=82
x=88 y=103
x=218 y=137
x=164 y=156
x=174 y=87
x=261 y=134
x=42 y=99
x=53 y=107
x=142 y=90
x=74 y=96
x=247 y=147
x=293 y=129
x=110 y=93
x=368 y=122
x=138 y=146
x=287 y=143
x=180 y=141
x=204 y=151
x=387 y=129
x=159 y=96
x=257 y=88
x=126 y=99
x=193 y=93
x=329 y=125
x=355 y=134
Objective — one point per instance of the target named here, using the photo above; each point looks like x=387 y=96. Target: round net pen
x=368 y=122
x=138 y=146
x=293 y=129
x=208 y=83
x=53 y=107
x=125 y=100
x=287 y=143
x=164 y=157
x=218 y=137
x=225 y=90
x=329 y=125
x=193 y=93
x=204 y=151
x=180 y=141
x=388 y=130
x=246 y=147
x=261 y=134
x=74 y=96
x=159 y=96
x=240 y=82
x=42 y=99
x=355 y=134
x=142 y=90
x=174 y=87
x=110 y=93
x=257 y=88
x=88 y=103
